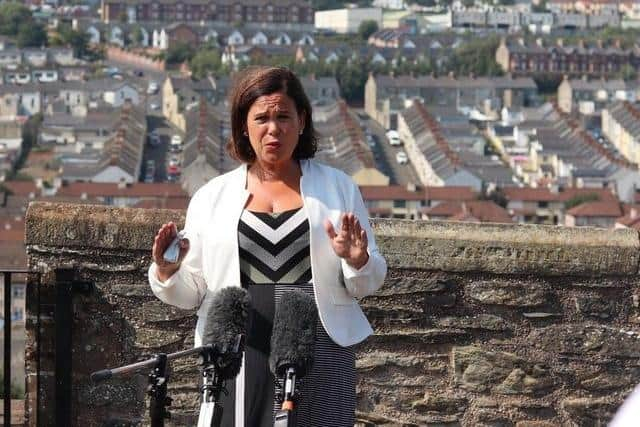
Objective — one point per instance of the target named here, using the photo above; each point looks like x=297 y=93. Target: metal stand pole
x=158 y=391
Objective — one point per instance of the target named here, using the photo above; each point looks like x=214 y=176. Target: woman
x=281 y=221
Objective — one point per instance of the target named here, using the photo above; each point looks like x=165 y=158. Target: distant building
x=520 y=58
x=621 y=126
x=288 y=13
x=594 y=214
x=347 y=20
x=385 y=96
x=591 y=95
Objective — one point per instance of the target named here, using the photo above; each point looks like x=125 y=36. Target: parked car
x=154 y=139
x=394 y=138
x=154 y=106
x=152 y=88
x=149 y=171
x=401 y=158
x=174 y=161
x=176 y=144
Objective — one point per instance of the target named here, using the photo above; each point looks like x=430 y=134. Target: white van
x=176 y=144
x=394 y=138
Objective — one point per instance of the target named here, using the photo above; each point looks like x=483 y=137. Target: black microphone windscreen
x=294 y=333
x=227 y=316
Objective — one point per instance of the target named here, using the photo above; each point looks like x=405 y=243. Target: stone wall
x=494 y=325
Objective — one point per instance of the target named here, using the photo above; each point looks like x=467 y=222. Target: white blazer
x=213 y=260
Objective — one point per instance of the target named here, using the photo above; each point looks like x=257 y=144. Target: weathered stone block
x=519 y=382
x=594 y=306
x=607 y=381
x=587 y=411
x=442 y=403
x=439 y=300
x=507 y=293
x=480 y=370
x=487 y=322
x=535 y=424
x=587 y=339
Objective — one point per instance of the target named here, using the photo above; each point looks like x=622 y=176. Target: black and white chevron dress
x=275 y=258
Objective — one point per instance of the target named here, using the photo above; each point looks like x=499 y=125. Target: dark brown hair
x=250 y=85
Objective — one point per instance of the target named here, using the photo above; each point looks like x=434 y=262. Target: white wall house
x=119 y=94
x=347 y=20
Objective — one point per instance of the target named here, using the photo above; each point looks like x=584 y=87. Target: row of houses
x=293 y=13
x=447 y=150
x=550 y=147
x=536 y=21
x=387 y=95
x=589 y=96
x=74 y=97
x=164 y=35
x=522 y=58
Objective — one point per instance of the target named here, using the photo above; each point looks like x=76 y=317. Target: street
x=385 y=154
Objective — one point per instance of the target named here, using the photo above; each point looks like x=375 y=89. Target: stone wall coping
x=448 y=246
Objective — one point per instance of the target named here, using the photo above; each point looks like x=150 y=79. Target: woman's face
x=273 y=127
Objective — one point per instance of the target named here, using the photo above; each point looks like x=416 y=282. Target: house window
x=17 y=314
x=543 y=204
x=17 y=292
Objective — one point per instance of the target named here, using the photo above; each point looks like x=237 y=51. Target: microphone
x=227 y=317
x=292 y=347
x=226 y=324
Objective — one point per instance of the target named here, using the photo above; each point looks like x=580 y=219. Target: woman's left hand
x=350 y=242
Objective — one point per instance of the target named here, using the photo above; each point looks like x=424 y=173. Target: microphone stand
x=158 y=391
x=286 y=416
x=213 y=384
x=212 y=360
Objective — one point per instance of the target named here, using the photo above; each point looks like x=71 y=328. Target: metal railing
x=7 y=317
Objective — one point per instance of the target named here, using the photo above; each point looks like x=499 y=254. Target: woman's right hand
x=163 y=239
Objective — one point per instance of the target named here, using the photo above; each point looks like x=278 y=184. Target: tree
x=352 y=78
x=179 y=53
x=31 y=36
x=366 y=28
x=628 y=72
x=204 y=62
x=12 y=17
x=78 y=40
x=136 y=35
x=476 y=57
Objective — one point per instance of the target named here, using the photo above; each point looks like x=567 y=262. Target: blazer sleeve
x=369 y=277
x=186 y=288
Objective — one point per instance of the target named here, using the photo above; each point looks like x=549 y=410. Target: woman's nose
x=273 y=127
